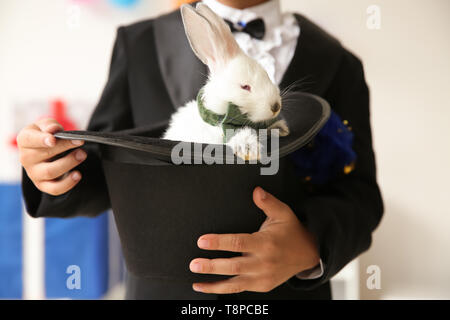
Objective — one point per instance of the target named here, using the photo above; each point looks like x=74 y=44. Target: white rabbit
x=233 y=78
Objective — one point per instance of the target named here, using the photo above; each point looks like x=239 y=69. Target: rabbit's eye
x=246 y=87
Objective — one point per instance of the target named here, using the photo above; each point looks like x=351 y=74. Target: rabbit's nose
x=275 y=107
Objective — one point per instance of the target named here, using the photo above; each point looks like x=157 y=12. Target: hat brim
x=304 y=113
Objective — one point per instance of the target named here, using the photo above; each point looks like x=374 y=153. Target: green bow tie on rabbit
x=232 y=119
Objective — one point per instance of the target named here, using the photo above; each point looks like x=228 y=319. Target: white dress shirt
x=274 y=52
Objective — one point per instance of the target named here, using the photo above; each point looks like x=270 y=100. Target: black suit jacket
x=153 y=71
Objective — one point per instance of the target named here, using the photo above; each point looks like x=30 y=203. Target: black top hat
x=161 y=208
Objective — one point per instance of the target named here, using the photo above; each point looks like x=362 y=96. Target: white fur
x=245 y=144
x=230 y=68
x=187 y=125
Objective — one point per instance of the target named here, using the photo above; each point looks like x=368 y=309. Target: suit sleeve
x=113 y=112
x=343 y=213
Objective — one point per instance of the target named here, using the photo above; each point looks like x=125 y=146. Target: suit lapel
x=183 y=73
x=315 y=61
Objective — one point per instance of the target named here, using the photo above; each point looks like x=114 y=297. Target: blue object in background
x=10 y=241
x=329 y=154
x=80 y=242
x=124 y=3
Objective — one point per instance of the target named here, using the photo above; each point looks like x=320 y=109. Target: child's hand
x=37 y=148
x=280 y=249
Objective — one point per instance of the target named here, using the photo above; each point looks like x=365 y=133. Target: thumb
x=272 y=207
x=49 y=125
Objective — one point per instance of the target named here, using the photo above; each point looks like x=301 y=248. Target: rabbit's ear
x=227 y=41
x=209 y=36
x=199 y=32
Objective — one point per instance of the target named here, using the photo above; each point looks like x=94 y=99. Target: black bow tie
x=254 y=28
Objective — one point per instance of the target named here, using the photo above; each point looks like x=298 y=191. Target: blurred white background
x=53 y=48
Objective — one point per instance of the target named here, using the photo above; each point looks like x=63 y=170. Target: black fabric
x=153 y=71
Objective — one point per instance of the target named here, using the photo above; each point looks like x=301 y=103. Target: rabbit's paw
x=282 y=126
x=245 y=144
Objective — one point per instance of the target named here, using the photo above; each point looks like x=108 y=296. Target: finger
x=234 y=242
x=32 y=137
x=46 y=154
x=237 y=284
x=60 y=186
x=230 y=267
x=233 y=285
x=50 y=126
x=272 y=207
x=55 y=169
